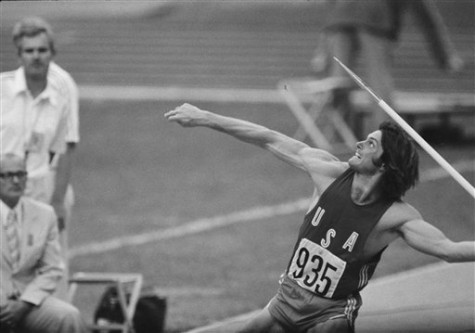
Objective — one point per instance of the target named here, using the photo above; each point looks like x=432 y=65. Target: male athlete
x=356 y=212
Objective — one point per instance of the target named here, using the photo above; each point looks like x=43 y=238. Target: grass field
x=136 y=173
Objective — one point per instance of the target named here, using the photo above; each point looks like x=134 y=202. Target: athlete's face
x=35 y=55
x=367 y=153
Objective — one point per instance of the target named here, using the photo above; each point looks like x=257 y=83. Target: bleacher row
x=182 y=48
x=206 y=45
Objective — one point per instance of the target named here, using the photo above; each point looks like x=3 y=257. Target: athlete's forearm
x=281 y=145
x=241 y=129
x=428 y=239
x=63 y=174
x=460 y=252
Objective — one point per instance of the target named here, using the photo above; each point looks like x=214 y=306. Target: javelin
x=401 y=122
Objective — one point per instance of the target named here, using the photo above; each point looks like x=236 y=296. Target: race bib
x=316 y=269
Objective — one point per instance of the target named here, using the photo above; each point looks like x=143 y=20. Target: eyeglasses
x=11 y=175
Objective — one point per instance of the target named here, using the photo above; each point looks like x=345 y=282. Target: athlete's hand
x=187 y=115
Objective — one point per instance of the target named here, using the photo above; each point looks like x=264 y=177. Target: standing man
x=368 y=30
x=40 y=120
x=355 y=213
x=31 y=264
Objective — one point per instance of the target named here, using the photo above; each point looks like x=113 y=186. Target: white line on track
x=244 y=216
x=200 y=225
x=188 y=291
x=439 y=173
x=145 y=93
x=233 y=95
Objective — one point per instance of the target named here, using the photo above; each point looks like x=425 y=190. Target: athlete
x=355 y=213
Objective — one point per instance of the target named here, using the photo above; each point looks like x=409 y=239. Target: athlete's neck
x=365 y=189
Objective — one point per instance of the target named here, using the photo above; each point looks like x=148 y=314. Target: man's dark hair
x=400 y=159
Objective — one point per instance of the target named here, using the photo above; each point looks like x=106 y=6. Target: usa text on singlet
x=328 y=256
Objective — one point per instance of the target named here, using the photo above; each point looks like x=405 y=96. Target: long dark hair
x=401 y=161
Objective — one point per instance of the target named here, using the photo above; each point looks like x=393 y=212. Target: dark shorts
x=298 y=309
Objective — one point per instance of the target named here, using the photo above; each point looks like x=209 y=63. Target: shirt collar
x=21 y=87
x=4 y=210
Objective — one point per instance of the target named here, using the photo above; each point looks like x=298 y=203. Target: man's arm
x=61 y=182
x=50 y=266
x=299 y=154
x=428 y=239
x=68 y=136
x=12 y=312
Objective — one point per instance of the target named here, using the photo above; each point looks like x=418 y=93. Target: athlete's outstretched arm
x=428 y=239
x=288 y=149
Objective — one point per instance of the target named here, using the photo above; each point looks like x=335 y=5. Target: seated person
x=31 y=264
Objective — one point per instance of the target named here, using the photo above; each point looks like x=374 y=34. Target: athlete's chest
x=341 y=229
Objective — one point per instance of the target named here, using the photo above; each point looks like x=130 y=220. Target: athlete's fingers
x=171 y=114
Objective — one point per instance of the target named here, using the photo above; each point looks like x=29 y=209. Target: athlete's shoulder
x=321 y=160
x=323 y=167
x=399 y=213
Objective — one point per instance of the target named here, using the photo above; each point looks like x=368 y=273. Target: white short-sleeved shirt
x=61 y=78
x=36 y=126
